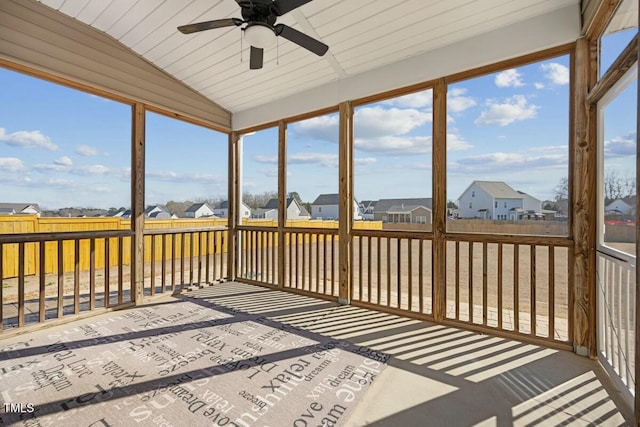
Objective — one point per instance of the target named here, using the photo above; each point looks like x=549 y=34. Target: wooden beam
x=282 y=200
x=621 y=65
x=636 y=411
x=137 y=201
x=584 y=206
x=595 y=22
x=345 y=211
x=439 y=198
x=232 y=215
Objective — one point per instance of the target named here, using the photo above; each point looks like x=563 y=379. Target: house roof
x=151 y=208
x=326 y=199
x=405 y=208
x=272 y=204
x=384 y=205
x=19 y=207
x=194 y=207
x=373 y=46
x=497 y=189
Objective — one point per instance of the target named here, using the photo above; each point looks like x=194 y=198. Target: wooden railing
x=311 y=261
x=616 y=293
x=518 y=285
x=175 y=258
x=28 y=299
x=258 y=254
x=393 y=270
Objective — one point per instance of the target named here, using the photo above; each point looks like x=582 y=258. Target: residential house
x=498 y=201
x=625 y=206
x=222 y=210
x=199 y=210
x=366 y=208
x=326 y=206
x=270 y=211
x=411 y=211
x=20 y=209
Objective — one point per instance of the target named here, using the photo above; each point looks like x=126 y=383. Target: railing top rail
x=64 y=235
x=158 y=231
x=333 y=231
x=617 y=256
x=257 y=228
x=425 y=235
x=523 y=239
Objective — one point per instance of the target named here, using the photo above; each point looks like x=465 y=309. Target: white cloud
x=456 y=142
x=63 y=161
x=91 y=170
x=457 y=101
x=621 y=146
x=11 y=164
x=88 y=151
x=510 y=162
x=395 y=145
x=556 y=73
x=171 y=176
x=328 y=160
x=512 y=109
x=413 y=100
x=376 y=122
x=539 y=85
x=509 y=78
x=28 y=139
x=323 y=128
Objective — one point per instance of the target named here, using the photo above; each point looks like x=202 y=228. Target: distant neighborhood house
x=625 y=206
x=326 y=206
x=403 y=211
x=270 y=211
x=498 y=201
x=199 y=210
x=367 y=207
x=20 y=209
x=222 y=210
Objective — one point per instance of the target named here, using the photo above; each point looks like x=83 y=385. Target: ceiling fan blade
x=285 y=6
x=301 y=39
x=210 y=25
x=255 y=60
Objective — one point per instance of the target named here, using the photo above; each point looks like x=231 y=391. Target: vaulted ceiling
x=375 y=45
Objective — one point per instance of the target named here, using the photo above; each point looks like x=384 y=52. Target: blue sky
x=61 y=147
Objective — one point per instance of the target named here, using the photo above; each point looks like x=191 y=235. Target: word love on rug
x=190 y=362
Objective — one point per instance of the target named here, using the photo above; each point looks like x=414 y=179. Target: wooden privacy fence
x=11 y=225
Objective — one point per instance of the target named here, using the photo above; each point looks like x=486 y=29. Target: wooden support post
x=137 y=202
x=345 y=211
x=282 y=201
x=636 y=415
x=439 y=199
x=232 y=216
x=583 y=182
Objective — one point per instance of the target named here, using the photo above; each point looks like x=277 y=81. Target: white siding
x=324 y=211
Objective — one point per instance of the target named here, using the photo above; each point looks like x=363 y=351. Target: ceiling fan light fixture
x=260 y=35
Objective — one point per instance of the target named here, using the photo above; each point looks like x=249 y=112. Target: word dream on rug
x=184 y=363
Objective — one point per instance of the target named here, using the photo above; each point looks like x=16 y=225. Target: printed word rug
x=187 y=362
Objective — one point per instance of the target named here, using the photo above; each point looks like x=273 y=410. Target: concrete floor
x=443 y=376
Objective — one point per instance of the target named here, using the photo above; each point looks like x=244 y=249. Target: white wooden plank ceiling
x=362 y=35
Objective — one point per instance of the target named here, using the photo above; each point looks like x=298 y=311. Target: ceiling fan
x=261 y=30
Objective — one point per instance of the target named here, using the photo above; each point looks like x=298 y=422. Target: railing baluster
x=369 y=268
x=333 y=258
x=410 y=273
x=42 y=290
x=379 y=268
x=500 y=279
x=317 y=281
x=173 y=262
x=182 y=256
x=388 y=271
x=458 y=281
x=399 y=272
x=107 y=272
x=532 y=267
x=618 y=303
x=21 y=284
x=92 y=273
x=60 y=279
x=200 y=248
x=191 y=256
x=470 y=283
x=163 y=268
x=207 y=257
x=324 y=263
x=552 y=293
x=360 y=267
x=516 y=287
x=153 y=266
x=120 y=270
x=1 y=286
x=485 y=293
x=76 y=276
x=421 y=274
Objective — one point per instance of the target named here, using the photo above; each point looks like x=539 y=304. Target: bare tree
x=618 y=187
